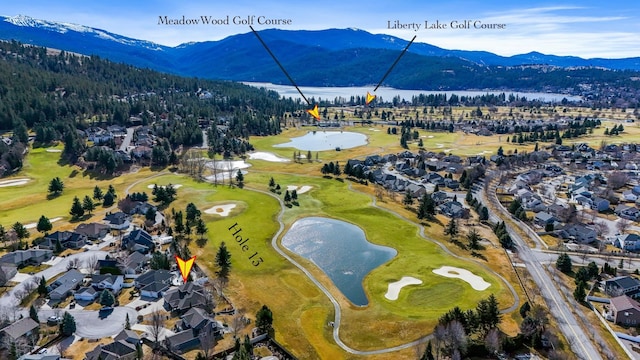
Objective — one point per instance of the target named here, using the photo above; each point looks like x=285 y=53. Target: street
x=580 y=343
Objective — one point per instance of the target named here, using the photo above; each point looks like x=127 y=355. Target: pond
x=326 y=140
x=340 y=249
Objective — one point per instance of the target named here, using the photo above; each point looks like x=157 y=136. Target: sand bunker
x=34 y=225
x=175 y=186
x=54 y=150
x=394 y=288
x=299 y=189
x=476 y=282
x=222 y=210
x=267 y=156
x=13 y=182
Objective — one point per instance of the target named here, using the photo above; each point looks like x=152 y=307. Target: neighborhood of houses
x=128 y=265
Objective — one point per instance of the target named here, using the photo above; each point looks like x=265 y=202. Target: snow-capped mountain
x=317 y=57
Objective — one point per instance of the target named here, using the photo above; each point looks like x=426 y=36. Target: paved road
x=127 y=139
x=567 y=322
x=90 y=325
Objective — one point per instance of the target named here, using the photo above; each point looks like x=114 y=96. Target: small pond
x=326 y=140
x=340 y=249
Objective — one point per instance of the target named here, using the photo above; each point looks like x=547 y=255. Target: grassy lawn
x=77 y=350
x=33 y=268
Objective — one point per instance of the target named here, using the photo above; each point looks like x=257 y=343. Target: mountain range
x=332 y=57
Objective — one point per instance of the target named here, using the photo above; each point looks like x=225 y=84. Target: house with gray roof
x=543 y=218
x=194 y=324
x=7 y=272
x=21 y=258
x=117 y=350
x=622 y=285
x=627 y=242
x=454 y=210
x=24 y=328
x=129 y=336
x=67 y=239
x=579 y=233
x=139 y=240
x=45 y=356
x=118 y=221
x=184 y=297
x=93 y=231
x=154 y=283
x=87 y=293
x=65 y=284
x=107 y=281
x=134 y=263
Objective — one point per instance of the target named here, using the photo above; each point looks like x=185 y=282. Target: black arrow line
x=395 y=62
x=282 y=67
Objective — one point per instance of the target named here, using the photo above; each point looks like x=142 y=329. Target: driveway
x=90 y=325
x=148 y=332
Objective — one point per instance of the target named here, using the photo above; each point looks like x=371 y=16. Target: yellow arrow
x=370 y=98
x=314 y=112
x=185 y=266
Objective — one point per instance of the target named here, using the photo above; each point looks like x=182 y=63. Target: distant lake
x=326 y=140
x=387 y=93
x=340 y=249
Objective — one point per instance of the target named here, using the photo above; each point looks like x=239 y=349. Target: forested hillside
x=55 y=93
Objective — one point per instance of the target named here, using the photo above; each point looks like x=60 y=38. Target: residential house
x=141 y=208
x=108 y=281
x=543 y=218
x=153 y=283
x=63 y=286
x=625 y=311
x=134 y=263
x=627 y=242
x=138 y=240
x=93 y=231
x=454 y=210
x=21 y=258
x=416 y=190
x=627 y=212
x=451 y=184
x=118 y=221
x=185 y=297
x=628 y=195
x=129 y=336
x=579 y=233
x=194 y=324
x=25 y=328
x=600 y=204
x=7 y=272
x=440 y=197
x=67 y=239
x=88 y=293
x=622 y=285
x=117 y=350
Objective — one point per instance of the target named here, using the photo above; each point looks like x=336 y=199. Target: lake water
x=326 y=140
x=387 y=93
x=340 y=249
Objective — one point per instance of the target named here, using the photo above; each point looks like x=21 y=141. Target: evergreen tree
x=564 y=263
x=56 y=186
x=42 y=287
x=426 y=209
x=97 y=193
x=428 y=353
x=108 y=199
x=580 y=292
x=88 y=205
x=77 y=211
x=294 y=195
x=272 y=183
x=68 y=325
x=240 y=179
x=451 y=229
x=488 y=314
x=287 y=197
x=33 y=313
x=264 y=319
x=20 y=230
x=408 y=199
x=58 y=248
x=44 y=225
x=127 y=324
x=111 y=190
x=223 y=262
x=473 y=237
x=107 y=298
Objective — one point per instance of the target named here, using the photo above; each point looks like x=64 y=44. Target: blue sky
x=582 y=28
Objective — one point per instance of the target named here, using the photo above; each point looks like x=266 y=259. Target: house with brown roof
x=625 y=311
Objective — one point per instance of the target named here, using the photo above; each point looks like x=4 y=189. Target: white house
x=108 y=281
x=86 y=294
